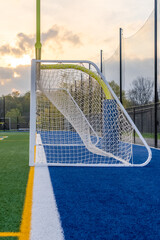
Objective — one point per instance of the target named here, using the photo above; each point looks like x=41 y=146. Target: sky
x=70 y=29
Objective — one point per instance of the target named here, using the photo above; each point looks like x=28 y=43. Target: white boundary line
x=45 y=222
x=40 y=153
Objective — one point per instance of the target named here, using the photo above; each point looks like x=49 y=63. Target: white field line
x=40 y=153
x=45 y=224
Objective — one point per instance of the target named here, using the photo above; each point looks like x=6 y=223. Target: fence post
x=120 y=62
x=134 y=120
x=4 y=114
x=101 y=68
x=75 y=83
x=17 y=123
x=82 y=92
x=155 y=75
x=90 y=94
x=142 y=120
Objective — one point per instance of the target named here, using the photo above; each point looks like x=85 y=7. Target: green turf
x=148 y=135
x=8 y=238
x=13 y=174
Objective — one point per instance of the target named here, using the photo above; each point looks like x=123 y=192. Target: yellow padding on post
x=83 y=69
x=27 y=210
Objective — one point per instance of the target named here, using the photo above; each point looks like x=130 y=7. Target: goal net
x=76 y=119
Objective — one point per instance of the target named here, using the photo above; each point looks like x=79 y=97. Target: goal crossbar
x=83 y=69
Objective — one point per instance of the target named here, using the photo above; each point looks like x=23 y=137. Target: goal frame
x=2 y=119
x=32 y=154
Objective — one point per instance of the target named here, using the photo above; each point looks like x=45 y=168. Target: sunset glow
x=24 y=60
x=69 y=30
x=16 y=75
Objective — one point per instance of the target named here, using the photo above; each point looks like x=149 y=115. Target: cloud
x=6 y=73
x=8 y=80
x=8 y=50
x=24 y=43
x=61 y=34
x=72 y=38
x=50 y=34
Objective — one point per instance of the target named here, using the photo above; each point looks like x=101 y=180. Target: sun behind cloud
x=24 y=60
x=16 y=75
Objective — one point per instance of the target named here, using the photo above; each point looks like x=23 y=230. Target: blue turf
x=109 y=203
x=80 y=154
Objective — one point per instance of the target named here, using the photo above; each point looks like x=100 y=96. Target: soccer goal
x=5 y=124
x=77 y=120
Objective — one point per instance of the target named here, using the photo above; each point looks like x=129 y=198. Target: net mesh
x=138 y=62
x=111 y=68
x=137 y=76
x=78 y=120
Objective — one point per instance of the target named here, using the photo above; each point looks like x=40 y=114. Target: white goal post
x=77 y=120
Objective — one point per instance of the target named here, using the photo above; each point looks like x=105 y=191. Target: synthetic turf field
x=13 y=174
x=8 y=238
x=74 y=151
x=109 y=203
x=93 y=203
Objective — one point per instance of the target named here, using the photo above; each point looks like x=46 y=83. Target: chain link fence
x=143 y=117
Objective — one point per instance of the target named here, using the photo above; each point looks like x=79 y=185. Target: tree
x=13 y=114
x=15 y=93
x=115 y=87
x=141 y=92
x=25 y=100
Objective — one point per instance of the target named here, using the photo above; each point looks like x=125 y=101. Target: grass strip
x=8 y=238
x=14 y=170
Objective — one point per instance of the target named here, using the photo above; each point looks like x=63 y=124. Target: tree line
x=15 y=105
x=141 y=93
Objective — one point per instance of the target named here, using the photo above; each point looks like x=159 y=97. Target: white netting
x=77 y=123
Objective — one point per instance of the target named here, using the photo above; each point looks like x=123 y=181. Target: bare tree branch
x=141 y=92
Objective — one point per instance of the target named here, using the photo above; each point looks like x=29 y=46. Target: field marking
x=39 y=150
x=15 y=140
x=45 y=216
x=45 y=222
x=25 y=227
x=3 y=137
x=27 y=210
x=10 y=234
